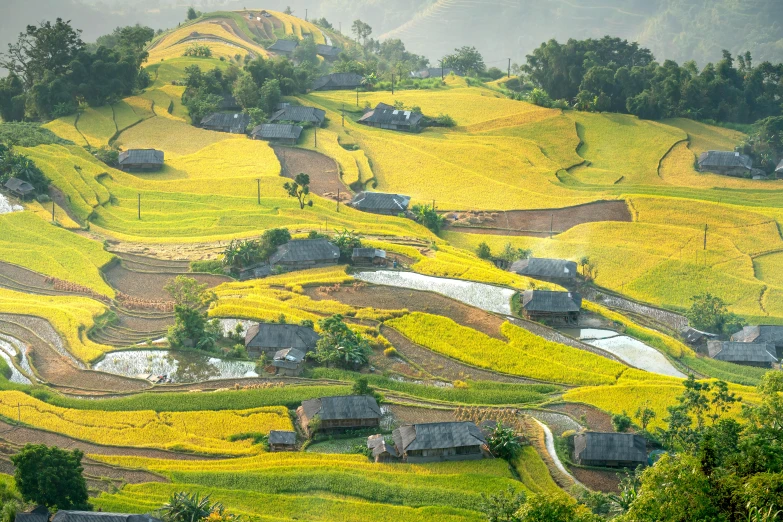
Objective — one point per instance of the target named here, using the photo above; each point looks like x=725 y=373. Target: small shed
x=280 y=440
x=338 y=81
x=439 y=441
x=284 y=47
x=141 y=159
x=270 y=338
x=761 y=355
x=553 y=307
x=234 y=123
x=386 y=117
x=19 y=188
x=558 y=271
x=696 y=337
x=382 y=451
x=727 y=163
x=347 y=412
x=100 y=516
x=625 y=450
x=380 y=203
x=368 y=257
x=779 y=170
x=277 y=133
x=329 y=52
x=299 y=114
x=301 y=254
x=289 y=362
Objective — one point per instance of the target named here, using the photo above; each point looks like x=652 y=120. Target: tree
x=288 y=10
x=51 y=477
x=548 y=508
x=299 y=189
x=241 y=254
x=362 y=387
x=709 y=313
x=346 y=241
x=502 y=506
x=341 y=346
x=184 y=507
x=510 y=254
x=192 y=14
x=644 y=414
x=466 y=60
x=270 y=95
x=192 y=328
x=246 y=91
x=361 y=30
x=483 y=251
x=621 y=422
x=504 y=443
x=427 y=216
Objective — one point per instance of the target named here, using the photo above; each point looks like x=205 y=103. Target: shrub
x=390 y=352
x=621 y=422
x=461 y=385
x=213 y=266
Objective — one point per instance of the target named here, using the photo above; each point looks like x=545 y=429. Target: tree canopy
x=51 y=477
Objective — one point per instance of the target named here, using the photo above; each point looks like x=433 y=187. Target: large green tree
x=51 y=477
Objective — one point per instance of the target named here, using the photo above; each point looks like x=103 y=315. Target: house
x=762 y=355
x=329 y=52
x=39 y=514
x=696 y=337
x=382 y=451
x=557 y=271
x=380 y=203
x=348 y=412
x=283 y=46
x=141 y=159
x=761 y=334
x=553 y=307
x=439 y=441
x=779 y=170
x=726 y=162
x=19 y=188
x=386 y=117
x=235 y=123
x=338 y=81
x=277 y=133
x=612 y=450
x=280 y=440
x=289 y=362
x=368 y=257
x=100 y=516
x=299 y=114
x=301 y=254
x=270 y=338
x=434 y=72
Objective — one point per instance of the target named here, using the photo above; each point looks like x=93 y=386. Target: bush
x=390 y=352
x=483 y=251
x=109 y=155
x=207 y=267
x=621 y=422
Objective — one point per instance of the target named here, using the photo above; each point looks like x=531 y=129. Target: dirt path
x=323 y=171
x=538 y=223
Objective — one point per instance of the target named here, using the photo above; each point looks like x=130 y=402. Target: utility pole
x=433 y=205
x=551 y=225
x=338 y=199
x=316 y=137
x=392 y=83
x=509 y=67
x=442 y=74
x=139 y=205
x=53 y=220
x=705 y=238
x=305 y=15
x=259 y=190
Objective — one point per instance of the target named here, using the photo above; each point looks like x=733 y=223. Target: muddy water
x=178 y=367
x=13 y=350
x=628 y=349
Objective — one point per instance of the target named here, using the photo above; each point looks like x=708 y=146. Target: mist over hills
x=681 y=30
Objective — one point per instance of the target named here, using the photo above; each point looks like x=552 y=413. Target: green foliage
x=109 y=155
x=427 y=216
x=503 y=505
x=198 y=51
x=51 y=477
x=213 y=266
x=466 y=60
x=504 y=443
x=483 y=251
x=346 y=241
x=184 y=507
x=546 y=508
x=341 y=346
x=257 y=438
x=25 y=134
x=299 y=189
x=192 y=14
x=621 y=422
x=204 y=91
x=709 y=313
x=191 y=328
x=13 y=165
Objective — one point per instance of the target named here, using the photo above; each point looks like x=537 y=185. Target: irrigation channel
x=628 y=349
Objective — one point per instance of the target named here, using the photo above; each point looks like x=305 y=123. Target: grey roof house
x=761 y=355
x=380 y=203
x=141 y=159
x=270 y=338
x=760 y=334
x=382 y=451
x=277 y=133
x=329 y=52
x=38 y=514
x=300 y=254
x=553 y=270
x=368 y=256
x=555 y=307
x=439 y=441
x=340 y=413
x=100 y=516
x=280 y=440
x=235 y=123
x=338 y=81
x=386 y=117
x=19 y=188
x=283 y=46
x=727 y=163
x=289 y=362
x=610 y=449
x=299 y=114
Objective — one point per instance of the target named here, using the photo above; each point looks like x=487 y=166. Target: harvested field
x=415 y=301
x=128 y=278
x=413 y=415
x=596 y=420
x=597 y=480
x=540 y=223
x=323 y=171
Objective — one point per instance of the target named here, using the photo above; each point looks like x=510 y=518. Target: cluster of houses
x=731 y=163
x=42 y=514
x=553 y=307
x=759 y=346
